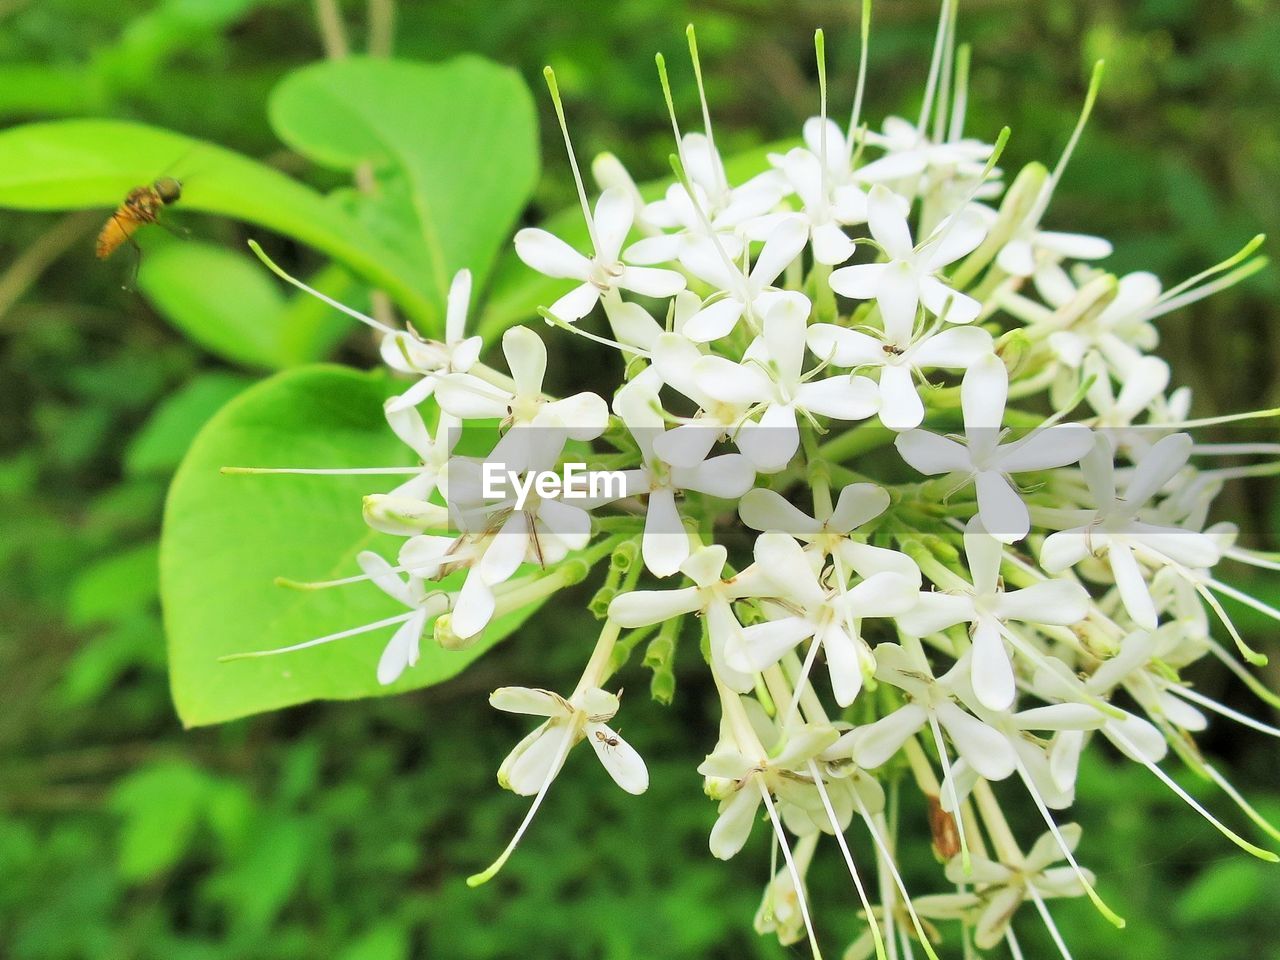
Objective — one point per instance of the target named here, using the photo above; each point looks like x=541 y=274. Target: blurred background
x=343 y=830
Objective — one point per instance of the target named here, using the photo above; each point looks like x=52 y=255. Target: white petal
x=1055 y=446
x=875 y=743
x=651 y=281
x=844 y=347
x=951 y=305
x=888 y=223
x=858 y=282
x=733 y=826
x=455 y=322
x=729 y=475
x=841 y=397
x=898 y=295
x=651 y=250
x=831 y=245
x=761 y=645
x=932 y=454
x=664 y=545
x=958 y=239
x=384 y=577
x=531 y=769
x=474 y=607
x=402 y=650
x=773 y=441
x=619 y=758
x=1003 y=513
x=900 y=405
x=576 y=304
x=527 y=700
x=762 y=509
x=986 y=750
x=1064 y=549
x=1077 y=246
x=613 y=215
x=1156 y=467
x=991 y=674
x=548 y=254
x=843 y=664
x=730 y=382
x=783 y=246
x=1132 y=586
x=526 y=358
x=934 y=612
x=857 y=504
x=639 y=608
x=983 y=392
x=1058 y=602
x=955 y=347
x=507 y=550
x=715 y=321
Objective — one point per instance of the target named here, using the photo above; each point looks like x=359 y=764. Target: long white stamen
x=1221 y=708
x=1092 y=894
x=1048 y=921
x=935 y=66
x=855 y=118
x=1249 y=810
x=1236 y=449
x=892 y=869
x=1090 y=97
x=325 y=471
x=1260 y=690
x=1246 y=599
x=327 y=584
x=1253 y=558
x=848 y=857
x=1207 y=290
x=1010 y=939
x=476 y=879
x=944 y=82
x=692 y=37
x=1236 y=258
x=801 y=899
x=957 y=813
x=1190 y=801
x=280 y=272
x=820 y=51
x=960 y=98
x=354 y=631
x=554 y=87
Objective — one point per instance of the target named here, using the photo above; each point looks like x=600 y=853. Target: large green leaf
x=249 y=321
x=68 y=164
x=226 y=538
x=456 y=144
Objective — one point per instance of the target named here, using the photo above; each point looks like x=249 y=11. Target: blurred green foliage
x=344 y=830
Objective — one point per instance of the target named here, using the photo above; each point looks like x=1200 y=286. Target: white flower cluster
x=868 y=292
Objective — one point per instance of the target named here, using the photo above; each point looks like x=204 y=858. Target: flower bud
x=404 y=516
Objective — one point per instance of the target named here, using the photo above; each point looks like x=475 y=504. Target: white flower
x=910 y=277
x=752 y=293
x=582 y=416
x=711 y=596
x=810 y=609
x=665 y=544
x=771 y=379
x=458 y=353
x=986 y=606
x=407 y=424
x=900 y=363
x=1002 y=887
x=739 y=775
x=930 y=700
x=908 y=152
x=603 y=271
x=403 y=649
x=984 y=459
x=828 y=206
x=1117 y=529
x=538 y=757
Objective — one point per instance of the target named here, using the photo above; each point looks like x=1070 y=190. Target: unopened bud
x=404 y=516
x=449 y=640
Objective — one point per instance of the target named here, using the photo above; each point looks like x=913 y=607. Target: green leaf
x=226 y=538
x=114 y=588
x=69 y=164
x=159 y=446
x=231 y=305
x=456 y=143
x=161 y=805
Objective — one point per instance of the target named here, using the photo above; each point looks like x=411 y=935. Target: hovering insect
x=141 y=207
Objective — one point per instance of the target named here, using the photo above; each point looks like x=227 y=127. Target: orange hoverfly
x=141 y=206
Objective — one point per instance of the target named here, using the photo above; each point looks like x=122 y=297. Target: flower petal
x=549 y=255
x=931 y=454
x=619 y=758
